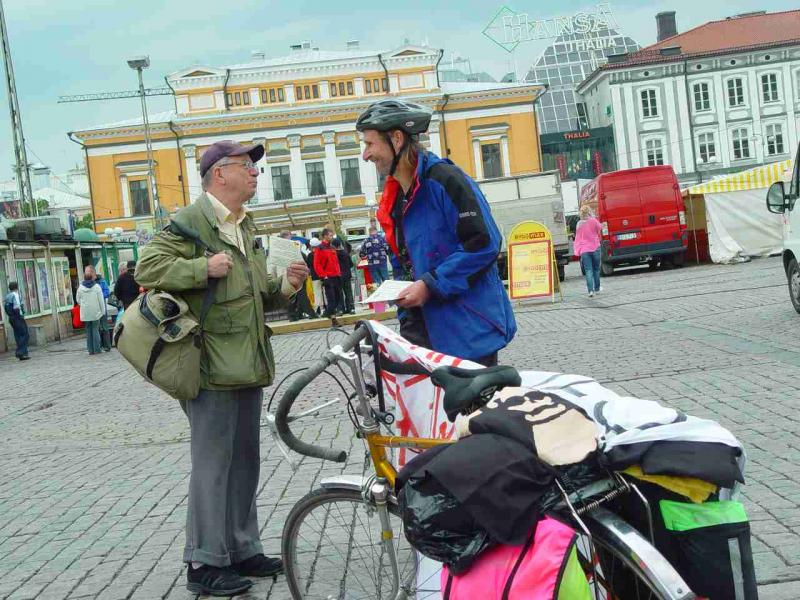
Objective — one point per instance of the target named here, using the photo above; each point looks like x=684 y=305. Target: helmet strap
x=397 y=155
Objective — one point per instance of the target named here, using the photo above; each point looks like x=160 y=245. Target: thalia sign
x=508 y=28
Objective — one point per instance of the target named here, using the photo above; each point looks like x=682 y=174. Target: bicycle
x=345 y=539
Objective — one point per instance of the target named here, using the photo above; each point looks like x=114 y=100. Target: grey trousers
x=221 y=522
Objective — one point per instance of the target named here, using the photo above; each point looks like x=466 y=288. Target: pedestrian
x=442 y=236
x=12 y=304
x=587 y=247
x=93 y=308
x=223 y=543
x=346 y=303
x=326 y=264
x=375 y=249
x=299 y=305
x=316 y=281
x=126 y=289
x=105 y=330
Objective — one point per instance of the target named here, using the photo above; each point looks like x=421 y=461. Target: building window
x=368 y=86
x=341 y=88
x=307 y=92
x=281 y=183
x=315 y=91
x=649 y=105
x=140 y=199
x=237 y=98
x=298 y=93
x=246 y=98
x=333 y=90
x=264 y=96
x=654 y=149
x=385 y=84
x=349 y=88
x=706 y=146
x=702 y=97
x=228 y=100
x=315 y=176
x=281 y=95
x=492 y=162
x=769 y=87
x=741 y=144
x=735 y=92
x=62 y=295
x=774 y=135
x=350 y=178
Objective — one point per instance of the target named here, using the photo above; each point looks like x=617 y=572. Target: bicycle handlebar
x=297 y=386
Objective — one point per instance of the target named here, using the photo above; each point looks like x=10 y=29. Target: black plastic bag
x=437 y=525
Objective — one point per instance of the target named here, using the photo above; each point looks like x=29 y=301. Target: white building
x=722 y=97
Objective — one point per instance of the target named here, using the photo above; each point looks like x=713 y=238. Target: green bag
x=162 y=340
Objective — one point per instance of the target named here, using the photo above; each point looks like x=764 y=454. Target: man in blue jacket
x=443 y=238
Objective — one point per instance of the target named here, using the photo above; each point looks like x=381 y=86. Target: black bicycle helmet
x=386 y=115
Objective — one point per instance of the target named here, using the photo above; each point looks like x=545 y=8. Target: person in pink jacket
x=587 y=247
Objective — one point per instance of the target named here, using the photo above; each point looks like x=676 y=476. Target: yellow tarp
x=759 y=177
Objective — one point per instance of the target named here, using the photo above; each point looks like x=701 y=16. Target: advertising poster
x=530 y=261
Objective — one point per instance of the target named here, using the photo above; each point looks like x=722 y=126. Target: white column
x=394 y=84
x=126 y=201
x=436 y=142
x=634 y=140
x=263 y=187
x=296 y=170
x=219 y=100
x=333 y=174
x=324 y=90
x=758 y=139
x=620 y=141
x=790 y=137
x=505 y=155
x=369 y=178
x=723 y=146
x=358 y=84
x=255 y=97
x=288 y=90
x=192 y=173
x=476 y=154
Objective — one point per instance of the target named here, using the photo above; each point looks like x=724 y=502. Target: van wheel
x=793 y=274
x=606 y=269
x=652 y=265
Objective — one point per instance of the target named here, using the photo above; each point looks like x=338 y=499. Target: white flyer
x=282 y=252
x=388 y=291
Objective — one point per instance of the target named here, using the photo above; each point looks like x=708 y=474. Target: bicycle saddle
x=468 y=388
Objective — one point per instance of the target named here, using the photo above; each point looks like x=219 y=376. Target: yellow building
x=303 y=107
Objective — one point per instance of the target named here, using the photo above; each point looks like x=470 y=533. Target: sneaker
x=258 y=566
x=215 y=581
x=591 y=294
x=600 y=289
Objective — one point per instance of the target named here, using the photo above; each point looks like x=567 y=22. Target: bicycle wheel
x=332 y=549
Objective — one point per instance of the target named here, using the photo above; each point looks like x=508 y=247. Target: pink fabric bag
x=529 y=572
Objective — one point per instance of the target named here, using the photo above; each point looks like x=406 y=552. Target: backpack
x=161 y=339
x=8 y=305
x=546 y=567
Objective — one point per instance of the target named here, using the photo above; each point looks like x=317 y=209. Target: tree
x=42 y=206
x=85 y=222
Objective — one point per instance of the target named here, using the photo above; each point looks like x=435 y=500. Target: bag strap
x=523 y=552
x=446 y=595
x=190 y=234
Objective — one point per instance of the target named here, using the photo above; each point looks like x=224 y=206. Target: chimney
x=352 y=44
x=665 y=23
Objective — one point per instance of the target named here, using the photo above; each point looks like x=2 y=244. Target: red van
x=642 y=214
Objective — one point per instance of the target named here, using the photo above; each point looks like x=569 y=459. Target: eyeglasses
x=247 y=164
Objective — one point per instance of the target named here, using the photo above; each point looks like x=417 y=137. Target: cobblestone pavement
x=95 y=463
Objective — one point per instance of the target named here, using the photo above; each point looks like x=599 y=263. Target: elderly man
x=223 y=545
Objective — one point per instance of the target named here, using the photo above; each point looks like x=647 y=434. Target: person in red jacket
x=326 y=264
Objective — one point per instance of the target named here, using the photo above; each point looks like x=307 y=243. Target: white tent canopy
x=739 y=224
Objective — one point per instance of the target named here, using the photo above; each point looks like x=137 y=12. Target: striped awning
x=759 y=177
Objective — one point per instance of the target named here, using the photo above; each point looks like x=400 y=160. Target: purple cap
x=226 y=148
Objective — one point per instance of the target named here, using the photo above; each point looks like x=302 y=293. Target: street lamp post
x=139 y=63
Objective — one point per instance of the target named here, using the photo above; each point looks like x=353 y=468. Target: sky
x=66 y=47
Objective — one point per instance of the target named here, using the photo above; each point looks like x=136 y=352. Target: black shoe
x=215 y=581
x=25 y=357
x=259 y=566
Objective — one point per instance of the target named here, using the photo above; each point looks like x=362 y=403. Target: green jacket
x=236 y=347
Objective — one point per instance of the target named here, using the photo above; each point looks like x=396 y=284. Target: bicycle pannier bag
x=546 y=567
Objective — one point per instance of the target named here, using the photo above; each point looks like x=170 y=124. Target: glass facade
x=562 y=66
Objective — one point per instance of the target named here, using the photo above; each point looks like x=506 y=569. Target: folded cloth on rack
x=695 y=490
